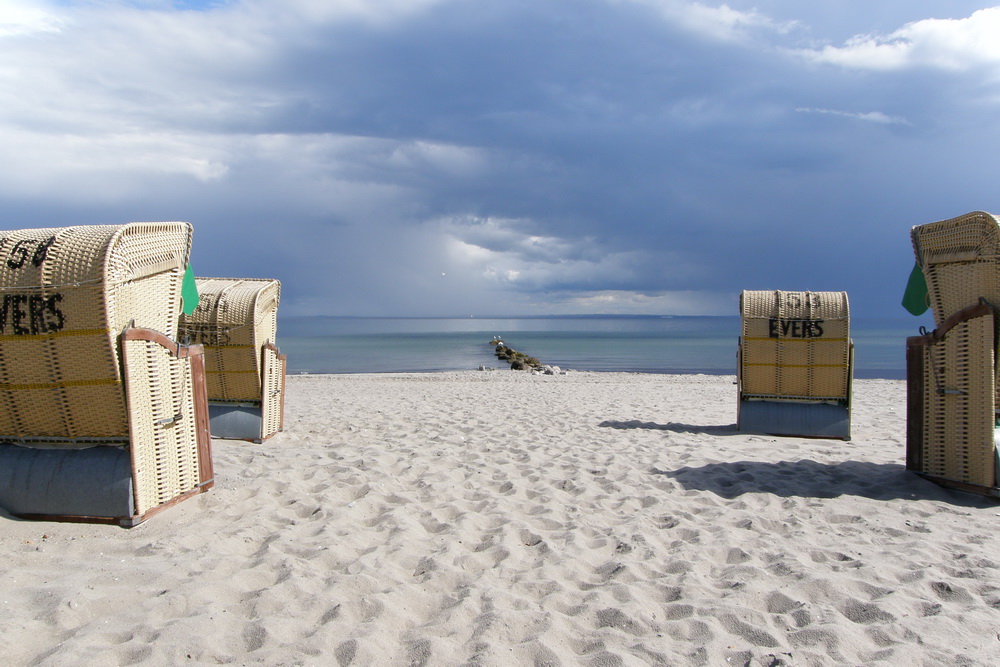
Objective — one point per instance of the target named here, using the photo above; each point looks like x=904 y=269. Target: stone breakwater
x=520 y=361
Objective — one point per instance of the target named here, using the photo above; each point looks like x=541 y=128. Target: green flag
x=189 y=292
x=915 y=297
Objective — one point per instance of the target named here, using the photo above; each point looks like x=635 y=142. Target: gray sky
x=523 y=157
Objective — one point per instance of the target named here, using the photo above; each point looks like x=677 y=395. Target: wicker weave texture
x=959 y=260
x=795 y=345
x=235 y=318
x=66 y=294
x=958 y=412
x=163 y=426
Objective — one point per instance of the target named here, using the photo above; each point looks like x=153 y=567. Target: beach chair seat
x=795 y=364
x=952 y=371
x=103 y=416
x=236 y=322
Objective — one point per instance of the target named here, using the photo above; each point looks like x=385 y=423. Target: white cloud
x=444 y=158
x=348 y=175
x=113 y=68
x=948 y=44
x=102 y=167
x=517 y=238
x=369 y=11
x=504 y=251
x=20 y=18
x=723 y=22
x=876 y=117
x=626 y=302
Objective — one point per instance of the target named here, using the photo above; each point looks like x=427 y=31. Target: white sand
x=500 y=518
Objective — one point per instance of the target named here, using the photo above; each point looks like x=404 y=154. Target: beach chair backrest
x=67 y=294
x=959 y=258
x=795 y=345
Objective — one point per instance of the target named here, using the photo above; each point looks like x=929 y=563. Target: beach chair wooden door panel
x=168 y=420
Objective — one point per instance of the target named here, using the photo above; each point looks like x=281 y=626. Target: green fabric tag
x=915 y=298
x=189 y=292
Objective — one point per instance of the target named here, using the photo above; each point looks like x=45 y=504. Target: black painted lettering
x=34 y=249
x=36 y=320
x=778 y=328
x=42 y=251
x=31 y=314
x=19 y=254
x=4 y=313
x=50 y=317
x=18 y=314
x=207 y=334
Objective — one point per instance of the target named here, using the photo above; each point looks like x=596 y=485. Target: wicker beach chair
x=795 y=364
x=103 y=415
x=952 y=372
x=236 y=322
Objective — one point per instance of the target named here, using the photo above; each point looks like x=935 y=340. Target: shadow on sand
x=811 y=479
x=721 y=429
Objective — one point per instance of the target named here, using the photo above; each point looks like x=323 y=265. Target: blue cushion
x=95 y=482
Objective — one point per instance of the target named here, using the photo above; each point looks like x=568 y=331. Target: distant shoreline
x=639 y=344
x=884 y=375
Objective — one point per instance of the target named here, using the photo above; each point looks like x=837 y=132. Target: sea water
x=645 y=344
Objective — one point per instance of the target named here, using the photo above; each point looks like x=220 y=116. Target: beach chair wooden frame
x=103 y=416
x=952 y=372
x=236 y=322
x=795 y=363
